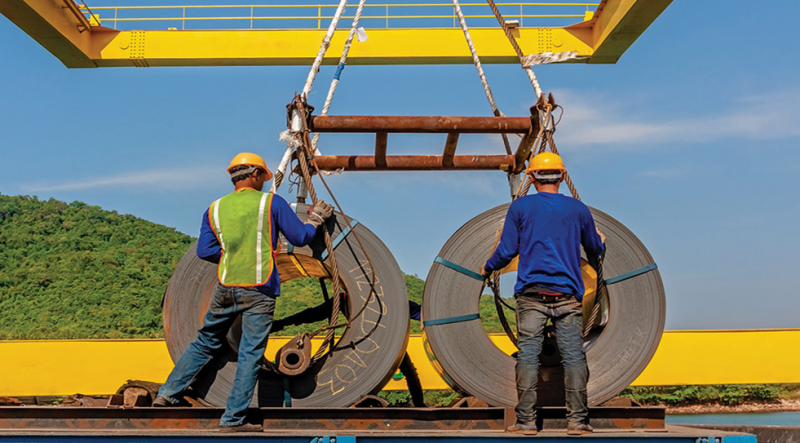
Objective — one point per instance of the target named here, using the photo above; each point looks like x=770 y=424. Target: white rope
x=534 y=81
x=475 y=59
x=479 y=67
x=326 y=43
x=531 y=60
x=280 y=171
x=545 y=58
x=339 y=69
x=291 y=144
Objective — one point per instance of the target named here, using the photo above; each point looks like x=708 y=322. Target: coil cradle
x=617 y=351
x=364 y=358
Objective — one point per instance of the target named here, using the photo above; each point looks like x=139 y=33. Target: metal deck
x=671 y=434
x=342 y=425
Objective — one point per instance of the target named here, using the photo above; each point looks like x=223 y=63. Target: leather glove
x=318 y=245
x=484 y=272
x=318 y=213
x=602 y=236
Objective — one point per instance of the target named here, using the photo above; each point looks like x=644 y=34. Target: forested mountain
x=78 y=271
x=74 y=271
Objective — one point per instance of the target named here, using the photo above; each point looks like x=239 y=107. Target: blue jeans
x=532 y=315
x=256 y=310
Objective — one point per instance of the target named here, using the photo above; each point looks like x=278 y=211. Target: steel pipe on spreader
x=366 y=355
x=416 y=124
x=470 y=363
x=414 y=162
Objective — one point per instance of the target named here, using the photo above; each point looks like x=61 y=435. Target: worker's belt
x=544 y=294
x=548 y=297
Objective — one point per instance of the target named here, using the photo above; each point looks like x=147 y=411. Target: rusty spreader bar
x=526 y=127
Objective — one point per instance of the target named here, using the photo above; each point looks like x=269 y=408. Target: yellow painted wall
x=67 y=367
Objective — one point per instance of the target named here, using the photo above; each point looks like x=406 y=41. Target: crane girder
x=62 y=28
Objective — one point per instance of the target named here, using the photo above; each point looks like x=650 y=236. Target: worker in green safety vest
x=239 y=232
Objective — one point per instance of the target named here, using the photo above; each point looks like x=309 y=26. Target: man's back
x=547 y=231
x=243 y=210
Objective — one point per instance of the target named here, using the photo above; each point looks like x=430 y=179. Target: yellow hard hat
x=546 y=161
x=250 y=159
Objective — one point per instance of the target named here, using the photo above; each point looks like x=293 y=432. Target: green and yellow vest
x=241 y=222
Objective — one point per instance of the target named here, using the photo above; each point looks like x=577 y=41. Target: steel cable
x=528 y=70
x=342 y=63
x=481 y=74
x=304 y=154
x=280 y=171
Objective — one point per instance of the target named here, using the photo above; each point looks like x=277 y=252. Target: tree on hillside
x=78 y=271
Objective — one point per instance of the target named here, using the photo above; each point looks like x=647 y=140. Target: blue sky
x=690 y=140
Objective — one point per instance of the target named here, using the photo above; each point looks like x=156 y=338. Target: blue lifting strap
x=458 y=268
x=340 y=238
x=448 y=320
x=623 y=277
x=339 y=70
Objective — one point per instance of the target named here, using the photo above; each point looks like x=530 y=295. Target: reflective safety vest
x=241 y=222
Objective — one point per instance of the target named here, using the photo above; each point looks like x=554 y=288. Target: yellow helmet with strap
x=546 y=161
x=250 y=159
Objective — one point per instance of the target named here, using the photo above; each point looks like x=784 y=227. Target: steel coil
x=471 y=363
x=365 y=357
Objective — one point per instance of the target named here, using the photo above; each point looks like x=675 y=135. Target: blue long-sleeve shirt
x=283 y=220
x=547 y=231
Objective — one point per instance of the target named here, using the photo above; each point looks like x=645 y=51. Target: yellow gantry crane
x=86 y=36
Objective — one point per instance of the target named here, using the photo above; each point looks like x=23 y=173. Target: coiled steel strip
x=469 y=362
x=365 y=357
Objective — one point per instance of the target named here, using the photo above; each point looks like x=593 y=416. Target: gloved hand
x=318 y=213
x=602 y=236
x=484 y=272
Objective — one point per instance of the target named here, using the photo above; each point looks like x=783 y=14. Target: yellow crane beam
x=65 y=367
x=64 y=29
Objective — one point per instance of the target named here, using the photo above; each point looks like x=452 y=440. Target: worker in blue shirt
x=239 y=232
x=546 y=230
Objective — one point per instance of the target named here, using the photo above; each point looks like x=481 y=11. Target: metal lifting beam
x=415 y=162
x=433 y=124
x=527 y=127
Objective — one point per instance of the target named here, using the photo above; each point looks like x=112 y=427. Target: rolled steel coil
x=365 y=357
x=472 y=364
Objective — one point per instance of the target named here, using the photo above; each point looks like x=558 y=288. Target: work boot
x=244 y=427
x=523 y=428
x=579 y=428
x=162 y=402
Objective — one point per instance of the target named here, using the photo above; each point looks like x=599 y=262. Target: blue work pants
x=256 y=310
x=532 y=315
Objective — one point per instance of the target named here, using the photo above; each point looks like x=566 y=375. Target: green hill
x=74 y=271
x=77 y=271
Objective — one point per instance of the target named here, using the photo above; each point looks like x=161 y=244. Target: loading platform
x=342 y=425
